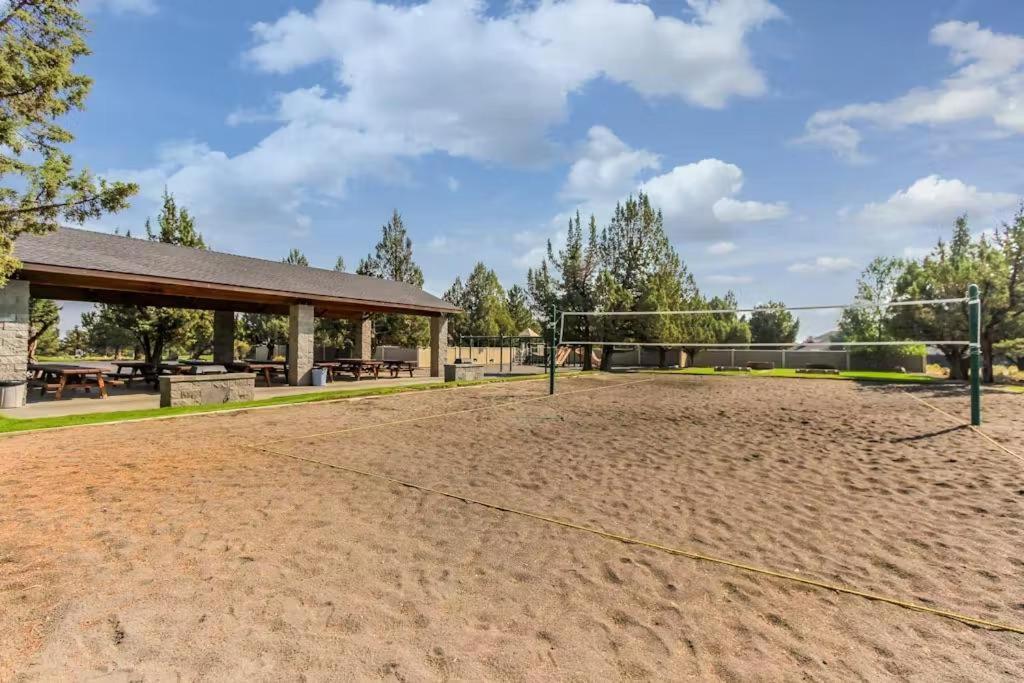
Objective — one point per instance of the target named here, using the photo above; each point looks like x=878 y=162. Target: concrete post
x=14 y=321
x=300 y=344
x=362 y=337
x=438 y=344
x=223 y=336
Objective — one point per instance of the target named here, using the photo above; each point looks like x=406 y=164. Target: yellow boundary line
x=754 y=569
x=963 y=618
x=976 y=430
x=420 y=418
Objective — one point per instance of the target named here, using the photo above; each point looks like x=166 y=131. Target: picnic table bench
x=57 y=377
x=151 y=373
x=395 y=367
x=357 y=366
x=266 y=368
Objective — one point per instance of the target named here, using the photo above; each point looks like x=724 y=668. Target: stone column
x=300 y=344
x=362 y=337
x=14 y=319
x=223 y=336
x=438 y=345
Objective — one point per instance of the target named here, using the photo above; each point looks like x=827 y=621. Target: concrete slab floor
x=143 y=397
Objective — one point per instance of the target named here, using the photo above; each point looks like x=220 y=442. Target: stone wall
x=197 y=390
x=461 y=372
x=14 y=321
x=841 y=360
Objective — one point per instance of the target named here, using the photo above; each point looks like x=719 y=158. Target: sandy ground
x=177 y=550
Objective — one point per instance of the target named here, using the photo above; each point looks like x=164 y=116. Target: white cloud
x=722 y=248
x=443 y=77
x=987 y=86
x=607 y=167
x=729 y=279
x=696 y=199
x=729 y=210
x=823 y=264
x=446 y=76
x=934 y=200
x=120 y=6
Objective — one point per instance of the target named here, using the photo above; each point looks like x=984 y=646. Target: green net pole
x=554 y=351
x=974 y=321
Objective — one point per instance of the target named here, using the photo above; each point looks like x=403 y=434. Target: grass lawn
x=8 y=424
x=855 y=375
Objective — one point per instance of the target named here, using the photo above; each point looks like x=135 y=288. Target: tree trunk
x=588 y=358
x=606 y=357
x=1019 y=362
x=662 y=357
x=987 y=374
x=33 y=340
x=958 y=364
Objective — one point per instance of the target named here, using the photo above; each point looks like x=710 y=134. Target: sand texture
x=207 y=548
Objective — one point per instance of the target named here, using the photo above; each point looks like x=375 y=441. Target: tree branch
x=14 y=10
x=46 y=207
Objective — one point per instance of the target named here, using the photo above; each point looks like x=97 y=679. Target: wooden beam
x=41 y=275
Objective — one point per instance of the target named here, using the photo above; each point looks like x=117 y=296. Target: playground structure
x=501 y=350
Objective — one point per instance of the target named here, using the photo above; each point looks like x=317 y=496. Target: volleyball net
x=886 y=329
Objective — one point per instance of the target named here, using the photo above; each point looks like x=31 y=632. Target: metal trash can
x=319 y=377
x=12 y=393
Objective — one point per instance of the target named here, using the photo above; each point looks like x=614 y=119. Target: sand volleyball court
x=458 y=535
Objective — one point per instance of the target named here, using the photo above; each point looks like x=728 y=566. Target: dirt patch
x=180 y=547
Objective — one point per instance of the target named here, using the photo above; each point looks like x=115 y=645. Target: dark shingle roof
x=102 y=252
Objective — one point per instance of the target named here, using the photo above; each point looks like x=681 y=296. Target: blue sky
x=788 y=143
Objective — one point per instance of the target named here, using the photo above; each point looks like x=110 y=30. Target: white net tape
x=736 y=311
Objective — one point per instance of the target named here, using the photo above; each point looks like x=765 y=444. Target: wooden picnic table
x=151 y=373
x=396 y=366
x=260 y=367
x=57 y=377
x=357 y=366
x=137 y=368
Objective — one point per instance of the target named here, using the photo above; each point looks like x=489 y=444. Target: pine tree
x=640 y=271
x=567 y=280
x=519 y=311
x=392 y=259
x=485 y=304
x=40 y=41
x=296 y=258
x=156 y=329
x=458 y=323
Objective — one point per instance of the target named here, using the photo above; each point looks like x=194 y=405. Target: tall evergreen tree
x=567 y=280
x=517 y=302
x=40 y=41
x=156 y=329
x=640 y=271
x=485 y=304
x=458 y=323
x=392 y=259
